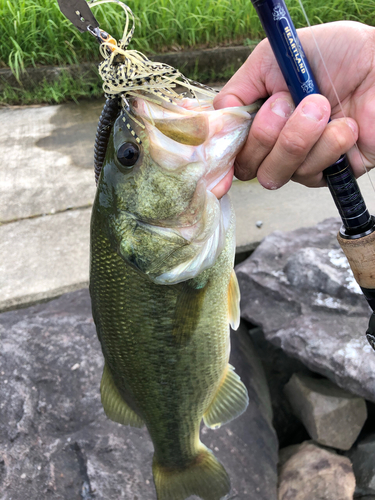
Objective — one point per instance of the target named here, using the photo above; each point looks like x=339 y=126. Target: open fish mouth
x=168 y=224
x=192 y=131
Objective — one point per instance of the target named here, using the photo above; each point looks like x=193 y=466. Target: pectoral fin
x=114 y=406
x=234 y=301
x=230 y=402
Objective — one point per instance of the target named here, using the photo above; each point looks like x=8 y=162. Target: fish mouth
x=191 y=132
x=166 y=226
x=206 y=247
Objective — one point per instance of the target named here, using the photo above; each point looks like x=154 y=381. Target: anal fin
x=114 y=405
x=234 y=301
x=230 y=402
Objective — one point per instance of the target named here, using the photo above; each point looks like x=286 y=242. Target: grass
x=62 y=89
x=34 y=32
x=67 y=88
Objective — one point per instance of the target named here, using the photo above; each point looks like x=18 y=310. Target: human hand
x=286 y=143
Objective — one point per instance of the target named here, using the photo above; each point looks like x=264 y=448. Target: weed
x=65 y=88
x=34 y=32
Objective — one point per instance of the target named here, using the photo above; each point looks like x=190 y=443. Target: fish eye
x=128 y=154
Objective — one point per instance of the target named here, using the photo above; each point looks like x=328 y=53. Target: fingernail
x=228 y=101
x=282 y=107
x=270 y=185
x=352 y=126
x=312 y=111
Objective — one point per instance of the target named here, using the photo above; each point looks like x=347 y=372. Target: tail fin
x=205 y=477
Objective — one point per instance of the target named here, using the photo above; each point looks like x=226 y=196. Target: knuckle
x=243 y=172
x=338 y=140
x=294 y=144
x=301 y=174
x=264 y=137
x=308 y=179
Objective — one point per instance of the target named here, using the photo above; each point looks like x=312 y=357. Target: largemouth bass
x=162 y=283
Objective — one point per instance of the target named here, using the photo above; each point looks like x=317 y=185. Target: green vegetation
x=67 y=87
x=62 y=89
x=34 y=33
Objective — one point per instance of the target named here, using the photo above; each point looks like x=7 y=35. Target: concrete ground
x=47 y=188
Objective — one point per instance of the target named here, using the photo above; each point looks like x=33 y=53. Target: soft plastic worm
x=106 y=121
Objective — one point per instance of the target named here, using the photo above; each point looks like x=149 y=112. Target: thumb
x=223 y=100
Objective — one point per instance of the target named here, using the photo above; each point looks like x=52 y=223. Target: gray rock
x=286 y=453
x=279 y=367
x=313 y=473
x=333 y=417
x=55 y=441
x=362 y=457
x=299 y=288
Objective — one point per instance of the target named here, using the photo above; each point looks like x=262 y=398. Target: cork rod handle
x=361 y=256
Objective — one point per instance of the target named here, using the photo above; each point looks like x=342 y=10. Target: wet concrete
x=46 y=169
x=74 y=132
x=43 y=257
x=47 y=157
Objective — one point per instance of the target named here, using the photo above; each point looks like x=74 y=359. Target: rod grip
x=360 y=253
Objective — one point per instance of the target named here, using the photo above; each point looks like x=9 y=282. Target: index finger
x=258 y=77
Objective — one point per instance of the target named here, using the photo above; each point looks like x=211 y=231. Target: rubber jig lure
x=125 y=73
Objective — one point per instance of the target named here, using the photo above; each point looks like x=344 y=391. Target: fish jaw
x=205 y=248
x=215 y=137
x=165 y=221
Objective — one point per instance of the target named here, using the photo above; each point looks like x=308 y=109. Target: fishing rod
x=357 y=234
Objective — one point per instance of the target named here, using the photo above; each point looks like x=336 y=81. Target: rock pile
x=332 y=417
x=299 y=288
x=311 y=472
x=304 y=308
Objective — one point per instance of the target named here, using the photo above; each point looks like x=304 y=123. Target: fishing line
x=365 y=169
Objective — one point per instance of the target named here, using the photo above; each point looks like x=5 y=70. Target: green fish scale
x=169 y=384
